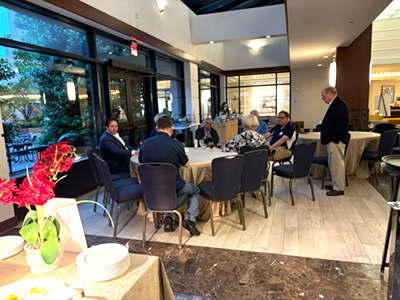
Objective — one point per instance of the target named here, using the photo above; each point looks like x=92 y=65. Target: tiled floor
x=345 y=228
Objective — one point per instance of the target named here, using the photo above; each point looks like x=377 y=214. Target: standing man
x=116 y=153
x=262 y=126
x=207 y=133
x=334 y=134
x=161 y=148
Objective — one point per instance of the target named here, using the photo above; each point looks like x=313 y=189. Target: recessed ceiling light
x=268 y=36
x=326 y=56
x=211 y=42
x=319 y=65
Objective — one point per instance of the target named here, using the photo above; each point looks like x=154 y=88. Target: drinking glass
x=211 y=145
x=201 y=143
x=371 y=127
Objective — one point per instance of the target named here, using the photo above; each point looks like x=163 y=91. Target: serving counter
x=226 y=130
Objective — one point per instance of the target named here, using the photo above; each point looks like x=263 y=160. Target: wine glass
x=201 y=143
x=211 y=145
x=371 y=127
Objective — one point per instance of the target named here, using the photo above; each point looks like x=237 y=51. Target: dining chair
x=383 y=127
x=386 y=144
x=131 y=193
x=323 y=161
x=303 y=156
x=255 y=164
x=159 y=192
x=267 y=186
x=287 y=159
x=225 y=184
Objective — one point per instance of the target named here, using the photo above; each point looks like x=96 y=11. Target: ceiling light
x=256 y=48
x=326 y=56
x=319 y=65
x=160 y=5
x=332 y=74
x=211 y=42
x=268 y=36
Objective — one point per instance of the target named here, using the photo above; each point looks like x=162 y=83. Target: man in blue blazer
x=116 y=152
x=333 y=134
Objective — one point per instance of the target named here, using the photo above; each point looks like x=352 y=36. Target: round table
x=198 y=171
x=359 y=141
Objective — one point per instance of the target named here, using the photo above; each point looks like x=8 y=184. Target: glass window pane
x=233 y=98
x=43 y=98
x=109 y=49
x=283 y=78
x=260 y=98
x=283 y=92
x=118 y=99
x=168 y=66
x=138 y=103
x=258 y=79
x=24 y=26
x=169 y=97
x=205 y=98
x=204 y=77
x=232 y=81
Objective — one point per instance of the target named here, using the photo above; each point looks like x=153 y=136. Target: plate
x=392 y=161
x=102 y=256
x=24 y=287
x=11 y=242
x=104 y=269
x=102 y=277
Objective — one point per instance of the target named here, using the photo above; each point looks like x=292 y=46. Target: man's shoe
x=329 y=187
x=191 y=227
x=335 y=193
x=169 y=225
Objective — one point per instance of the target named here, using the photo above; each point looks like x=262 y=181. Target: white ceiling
x=316 y=28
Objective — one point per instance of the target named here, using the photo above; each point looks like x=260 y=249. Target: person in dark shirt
x=282 y=137
x=207 y=133
x=161 y=148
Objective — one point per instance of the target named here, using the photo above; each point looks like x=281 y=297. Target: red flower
x=54 y=160
x=38 y=193
x=7 y=190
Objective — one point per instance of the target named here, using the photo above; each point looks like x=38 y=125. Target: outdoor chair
x=225 y=184
x=386 y=144
x=131 y=193
x=303 y=156
x=161 y=198
x=323 y=161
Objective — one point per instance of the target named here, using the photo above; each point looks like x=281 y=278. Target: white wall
x=213 y=54
x=306 y=100
x=238 y=24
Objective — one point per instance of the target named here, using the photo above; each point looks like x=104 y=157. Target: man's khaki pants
x=336 y=165
x=281 y=153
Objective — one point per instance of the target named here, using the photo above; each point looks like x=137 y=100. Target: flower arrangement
x=36 y=190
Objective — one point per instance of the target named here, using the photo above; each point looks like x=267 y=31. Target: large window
x=209 y=94
x=268 y=93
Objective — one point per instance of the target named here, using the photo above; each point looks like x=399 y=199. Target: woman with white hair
x=247 y=138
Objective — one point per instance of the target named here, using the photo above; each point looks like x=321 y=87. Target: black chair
x=323 y=161
x=383 y=127
x=287 y=159
x=350 y=127
x=225 y=184
x=131 y=193
x=386 y=144
x=162 y=197
x=303 y=156
x=246 y=149
x=318 y=128
x=396 y=148
x=255 y=164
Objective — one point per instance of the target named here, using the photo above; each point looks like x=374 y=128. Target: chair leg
x=111 y=213
x=127 y=207
x=345 y=176
x=106 y=200
x=323 y=178
x=180 y=228
x=95 y=199
x=265 y=204
x=376 y=174
x=241 y=214
x=144 y=229
x=312 y=187
x=291 y=190
x=272 y=184
x=116 y=221
x=269 y=191
x=211 y=218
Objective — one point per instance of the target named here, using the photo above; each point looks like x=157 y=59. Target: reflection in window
x=24 y=26
x=205 y=96
x=168 y=66
x=257 y=79
x=169 y=97
x=118 y=99
x=138 y=104
x=261 y=98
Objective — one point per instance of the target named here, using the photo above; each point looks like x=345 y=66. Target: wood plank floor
x=345 y=228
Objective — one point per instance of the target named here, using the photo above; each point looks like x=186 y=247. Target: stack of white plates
x=103 y=262
x=10 y=245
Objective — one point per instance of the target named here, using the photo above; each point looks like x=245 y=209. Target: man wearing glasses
x=207 y=133
x=282 y=137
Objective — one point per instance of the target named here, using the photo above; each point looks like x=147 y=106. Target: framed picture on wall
x=267 y=104
x=388 y=90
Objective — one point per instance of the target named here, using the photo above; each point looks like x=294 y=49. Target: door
x=128 y=106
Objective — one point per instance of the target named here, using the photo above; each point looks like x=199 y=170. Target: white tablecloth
x=359 y=141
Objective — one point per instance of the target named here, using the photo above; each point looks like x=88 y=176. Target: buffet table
x=145 y=279
x=359 y=141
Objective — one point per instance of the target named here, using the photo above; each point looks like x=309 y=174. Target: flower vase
x=35 y=261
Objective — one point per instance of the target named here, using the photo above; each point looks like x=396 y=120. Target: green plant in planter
x=167 y=113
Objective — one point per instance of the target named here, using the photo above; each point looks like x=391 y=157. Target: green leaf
x=49 y=230
x=49 y=250
x=30 y=233
x=30 y=216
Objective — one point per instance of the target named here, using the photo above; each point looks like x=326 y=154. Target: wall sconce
x=71 y=91
x=256 y=49
x=160 y=5
x=332 y=74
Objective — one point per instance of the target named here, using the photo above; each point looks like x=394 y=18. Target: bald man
x=334 y=134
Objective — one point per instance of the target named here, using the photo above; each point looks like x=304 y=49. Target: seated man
x=262 y=126
x=156 y=117
x=161 y=148
x=207 y=133
x=116 y=152
x=282 y=137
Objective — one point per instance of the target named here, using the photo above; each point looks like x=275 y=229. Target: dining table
x=199 y=170
x=145 y=279
x=359 y=142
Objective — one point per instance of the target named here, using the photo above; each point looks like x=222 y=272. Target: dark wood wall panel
x=353 y=67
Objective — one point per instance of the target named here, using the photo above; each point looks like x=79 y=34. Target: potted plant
x=41 y=232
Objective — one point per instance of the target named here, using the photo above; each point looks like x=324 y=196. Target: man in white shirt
x=116 y=152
